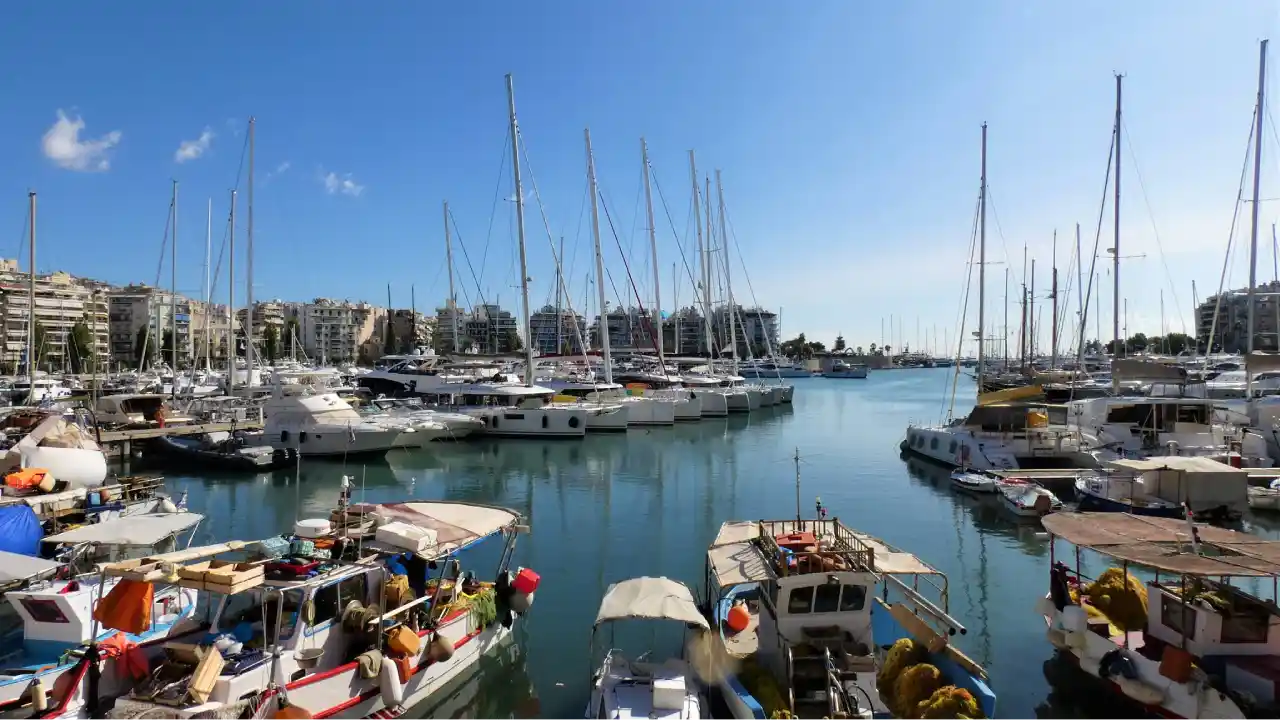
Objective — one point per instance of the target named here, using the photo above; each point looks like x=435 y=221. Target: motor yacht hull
x=714 y=403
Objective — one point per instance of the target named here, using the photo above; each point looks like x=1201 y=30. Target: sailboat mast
x=31 y=301
x=1115 y=269
x=1006 y=318
x=173 y=292
x=728 y=275
x=1257 y=183
x=1082 y=308
x=982 y=263
x=710 y=268
x=1031 y=319
x=231 y=300
x=702 y=254
x=208 y=291
x=1053 y=293
x=248 y=315
x=524 y=268
x=559 y=291
x=653 y=249
x=606 y=357
x=453 y=298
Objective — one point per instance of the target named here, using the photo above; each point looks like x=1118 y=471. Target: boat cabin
x=137 y=410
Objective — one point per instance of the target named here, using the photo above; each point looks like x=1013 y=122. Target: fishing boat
x=1027 y=499
x=1186 y=644
x=222 y=451
x=622 y=687
x=55 y=598
x=974 y=482
x=368 y=612
x=803 y=624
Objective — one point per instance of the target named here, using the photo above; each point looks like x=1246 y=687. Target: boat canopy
x=737 y=559
x=650 y=598
x=1165 y=544
x=1123 y=369
x=456 y=524
x=1026 y=392
x=137 y=530
x=15 y=568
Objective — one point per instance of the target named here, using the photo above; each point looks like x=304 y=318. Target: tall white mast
x=1115 y=320
x=708 y=268
x=702 y=255
x=231 y=300
x=31 y=301
x=173 y=292
x=595 y=235
x=248 y=316
x=524 y=268
x=208 y=291
x=1257 y=183
x=982 y=263
x=448 y=256
x=653 y=248
x=728 y=275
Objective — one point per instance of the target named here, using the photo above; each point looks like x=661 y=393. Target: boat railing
x=857 y=554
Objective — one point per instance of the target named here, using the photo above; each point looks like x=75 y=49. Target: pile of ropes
x=913 y=688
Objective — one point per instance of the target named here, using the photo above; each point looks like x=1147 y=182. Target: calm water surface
x=648 y=503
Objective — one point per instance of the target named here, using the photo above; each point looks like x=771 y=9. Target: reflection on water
x=466 y=697
x=647 y=502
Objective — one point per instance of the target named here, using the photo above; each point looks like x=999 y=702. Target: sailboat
x=996 y=436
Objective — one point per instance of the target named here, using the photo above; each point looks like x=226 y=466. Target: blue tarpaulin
x=20 y=530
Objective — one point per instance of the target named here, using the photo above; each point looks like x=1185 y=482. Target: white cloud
x=345 y=184
x=192 y=149
x=62 y=145
x=279 y=170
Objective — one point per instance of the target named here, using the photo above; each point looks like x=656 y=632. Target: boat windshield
x=254 y=613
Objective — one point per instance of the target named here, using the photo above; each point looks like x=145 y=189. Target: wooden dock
x=119 y=443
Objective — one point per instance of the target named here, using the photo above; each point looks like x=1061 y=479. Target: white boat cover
x=457 y=524
x=140 y=530
x=652 y=598
x=20 y=568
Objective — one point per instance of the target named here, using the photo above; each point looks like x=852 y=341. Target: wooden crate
x=229 y=578
x=192 y=576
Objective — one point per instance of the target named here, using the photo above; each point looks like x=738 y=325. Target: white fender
x=1143 y=692
x=389 y=684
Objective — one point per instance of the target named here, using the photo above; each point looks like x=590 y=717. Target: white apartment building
x=136 y=310
x=548 y=339
x=61 y=302
x=336 y=331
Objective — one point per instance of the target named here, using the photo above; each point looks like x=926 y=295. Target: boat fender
x=520 y=602
x=439 y=649
x=167 y=506
x=39 y=699
x=1115 y=664
x=390 y=685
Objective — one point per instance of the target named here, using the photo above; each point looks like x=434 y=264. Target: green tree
x=795 y=348
x=511 y=342
x=816 y=347
x=839 y=346
x=80 y=351
x=270 y=343
x=291 y=335
x=874 y=350
x=38 y=336
x=859 y=350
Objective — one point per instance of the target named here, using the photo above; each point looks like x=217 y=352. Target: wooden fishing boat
x=1185 y=644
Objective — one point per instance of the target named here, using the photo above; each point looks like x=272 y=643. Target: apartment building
x=1231 y=308
x=553 y=332
x=628 y=328
x=412 y=330
x=61 y=301
x=336 y=331
x=142 y=311
x=214 y=322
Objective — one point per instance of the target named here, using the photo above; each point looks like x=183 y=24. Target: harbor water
x=648 y=502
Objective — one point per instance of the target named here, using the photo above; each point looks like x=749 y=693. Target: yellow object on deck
x=1019 y=393
x=564 y=399
x=1037 y=419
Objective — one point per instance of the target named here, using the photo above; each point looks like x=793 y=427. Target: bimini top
x=1165 y=544
x=737 y=559
x=457 y=524
x=138 y=530
x=15 y=568
x=650 y=598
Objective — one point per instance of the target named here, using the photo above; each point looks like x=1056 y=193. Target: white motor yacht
x=325 y=424
x=514 y=410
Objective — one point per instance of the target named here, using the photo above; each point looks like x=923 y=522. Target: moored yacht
x=514 y=410
x=1001 y=436
x=327 y=425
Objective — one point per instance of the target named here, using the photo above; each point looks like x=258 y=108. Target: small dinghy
x=974 y=481
x=1025 y=499
x=1265 y=498
x=641 y=688
x=225 y=452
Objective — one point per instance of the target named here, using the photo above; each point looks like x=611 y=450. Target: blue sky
x=847 y=133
